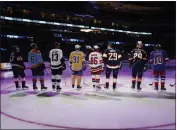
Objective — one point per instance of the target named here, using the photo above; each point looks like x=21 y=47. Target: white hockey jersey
x=55 y=56
x=96 y=61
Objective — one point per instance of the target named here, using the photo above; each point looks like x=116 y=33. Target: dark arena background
x=87 y=23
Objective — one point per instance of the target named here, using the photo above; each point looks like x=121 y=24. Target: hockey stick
x=172 y=85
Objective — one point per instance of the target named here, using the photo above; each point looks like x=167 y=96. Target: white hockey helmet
x=77 y=47
x=96 y=47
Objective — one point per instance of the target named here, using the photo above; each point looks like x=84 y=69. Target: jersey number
x=112 y=56
x=76 y=59
x=32 y=59
x=54 y=57
x=158 y=60
x=139 y=55
x=94 y=60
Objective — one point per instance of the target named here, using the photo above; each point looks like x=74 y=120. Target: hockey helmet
x=33 y=46
x=15 y=48
x=95 y=47
x=139 y=44
x=77 y=47
x=158 y=46
x=56 y=44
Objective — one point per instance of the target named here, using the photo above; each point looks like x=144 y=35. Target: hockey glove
x=64 y=67
x=43 y=66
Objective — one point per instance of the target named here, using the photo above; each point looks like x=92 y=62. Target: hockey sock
x=97 y=79
x=162 y=81
x=58 y=80
x=93 y=80
x=16 y=83
x=139 y=82
x=53 y=81
x=114 y=82
x=73 y=80
x=107 y=82
x=79 y=78
x=42 y=81
x=34 y=81
x=133 y=81
x=156 y=82
x=23 y=82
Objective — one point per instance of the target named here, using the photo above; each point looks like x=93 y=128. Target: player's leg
x=58 y=79
x=134 y=73
x=22 y=75
x=34 y=79
x=97 y=79
x=93 y=80
x=14 y=69
x=79 y=78
x=41 y=78
x=108 y=73
x=140 y=75
x=163 y=76
x=73 y=78
x=53 y=79
x=115 y=74
x=156 y=79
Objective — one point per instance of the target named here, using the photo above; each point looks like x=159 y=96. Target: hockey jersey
x=112 y=58
x=77 y=60
x=138 y=58
x=56 y=56
x=158 y=59
x=95 y=61
x=16 y=60
x=35 y=58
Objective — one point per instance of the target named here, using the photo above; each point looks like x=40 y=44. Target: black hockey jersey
x=138 y=58
x=16 y=60
x=112 y=58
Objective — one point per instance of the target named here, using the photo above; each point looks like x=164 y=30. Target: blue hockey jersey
x=158 y=59
x=35 y=58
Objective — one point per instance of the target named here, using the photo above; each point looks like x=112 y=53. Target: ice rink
x=87 y=108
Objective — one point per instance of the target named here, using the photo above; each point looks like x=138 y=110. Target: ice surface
x=88 y=108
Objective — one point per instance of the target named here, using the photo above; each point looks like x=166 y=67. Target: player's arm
x=90 y=59
x=40 y=60
x=71 y=58
x=151 y=58
x=105 y=56
x=83 y=61
x=165 y=56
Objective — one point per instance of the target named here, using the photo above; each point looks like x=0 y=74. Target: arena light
x=72 y=25
x=86 y=30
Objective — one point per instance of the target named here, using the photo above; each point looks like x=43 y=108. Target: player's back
x=95 y=59
x=77 y=58
x=158 y=59
x=112 y=57
x=55 y=56
x=16 y=59
x=139 y=56
x=35 y=58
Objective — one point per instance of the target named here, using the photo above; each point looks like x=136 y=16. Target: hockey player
x=138 y=59
x=158 y=58
x=37 y=66
x=18 y=67
x=97 y=66
x=57 y=65
x=77 y=61
x=112 y=60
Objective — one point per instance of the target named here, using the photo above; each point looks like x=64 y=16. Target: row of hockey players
x=110 y=61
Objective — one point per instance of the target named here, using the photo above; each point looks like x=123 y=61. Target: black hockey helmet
x=56 y=44
x=110 y=45
x=15 y=48
x=33 y=46
x=158 y=47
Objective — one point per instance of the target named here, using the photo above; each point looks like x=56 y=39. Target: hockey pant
x=56 y=77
